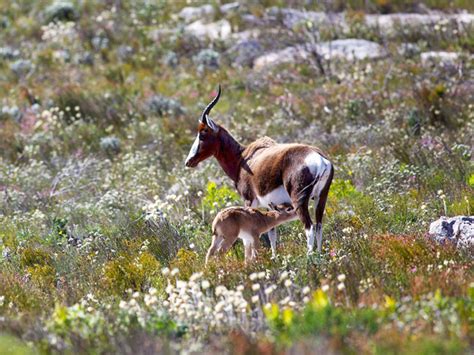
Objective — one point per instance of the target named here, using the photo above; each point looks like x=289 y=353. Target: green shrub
x=135 y=272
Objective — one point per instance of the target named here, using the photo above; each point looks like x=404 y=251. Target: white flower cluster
x=194 y=304
x=59 y=32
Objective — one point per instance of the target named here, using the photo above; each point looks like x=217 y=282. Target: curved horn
x=210 y=106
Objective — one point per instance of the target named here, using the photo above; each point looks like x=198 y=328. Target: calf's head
x=206 y=143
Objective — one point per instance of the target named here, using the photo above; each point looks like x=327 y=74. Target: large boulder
x=435 y=58
x=389 y=24
x=193 y=13
x=458 y=230
x=293 y=17
x=214 y=30
x=341 y=49
x=61 y=11
x=244 y=52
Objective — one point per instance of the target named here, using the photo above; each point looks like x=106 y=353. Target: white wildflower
x=284 y=276
x=205 y=284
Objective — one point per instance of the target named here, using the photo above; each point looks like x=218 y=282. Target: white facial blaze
x=194 y=149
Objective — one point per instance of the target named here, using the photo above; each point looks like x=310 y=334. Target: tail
x=314 y=188
x=323 y=183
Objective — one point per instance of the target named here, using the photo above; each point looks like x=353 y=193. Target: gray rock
x=163 y=105
x=170 y=59
x=230 y=7
x=343 y=49
x=292 y=17
x=207 y=59
x=384 y=24
x=244 y=52
x=351 y=49
x=8 y=53
x=190 y=13
x=61 y=11
x=435 y=58
x=215 y=30
x=110 y=145
x=287 y=55
x=458 y=230
x=125 y=53
x=389 y=24
x=21 y=67
x=11 y=112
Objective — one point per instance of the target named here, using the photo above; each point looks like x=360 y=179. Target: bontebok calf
x=265 y=171
x=247 y=224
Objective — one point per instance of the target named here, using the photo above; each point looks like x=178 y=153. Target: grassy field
x=103 y=231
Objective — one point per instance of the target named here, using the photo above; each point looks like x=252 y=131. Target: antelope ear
x=211 y=124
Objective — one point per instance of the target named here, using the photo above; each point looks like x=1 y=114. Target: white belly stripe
x=277 y=196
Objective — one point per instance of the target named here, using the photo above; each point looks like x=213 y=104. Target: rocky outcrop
x=190 y=13
x=244 y=52
x=430 y=59
x=214 y=30
x=388 y=24
x=292 y=17
x=342 y=49
x=385 y=24
x=458 y=230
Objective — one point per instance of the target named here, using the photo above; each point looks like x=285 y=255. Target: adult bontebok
x=265 y=171
x=248 y=224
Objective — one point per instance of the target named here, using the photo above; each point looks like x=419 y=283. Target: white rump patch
x=277 y=196
x=316 y=163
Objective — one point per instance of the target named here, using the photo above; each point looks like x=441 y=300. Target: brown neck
x=275 y=218
x=229 y=154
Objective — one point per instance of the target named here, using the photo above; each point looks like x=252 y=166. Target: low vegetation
x=104 y=232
